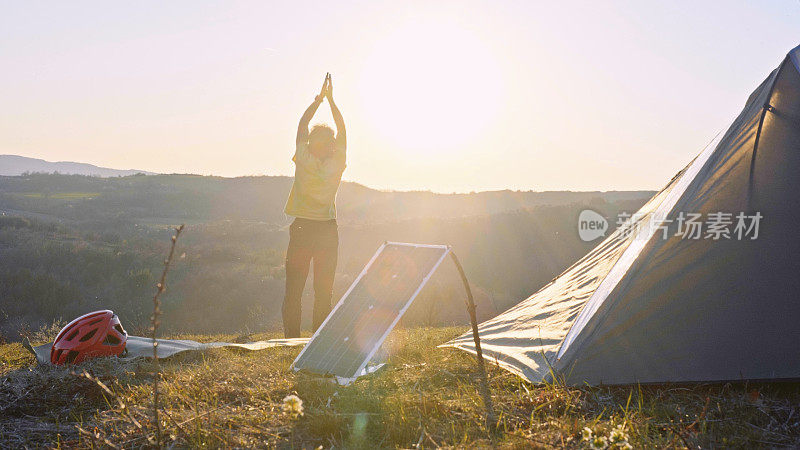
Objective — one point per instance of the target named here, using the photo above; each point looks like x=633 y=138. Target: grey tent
x=652 y=303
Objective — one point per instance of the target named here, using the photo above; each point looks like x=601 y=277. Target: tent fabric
x=142 y=347
x=642 y=308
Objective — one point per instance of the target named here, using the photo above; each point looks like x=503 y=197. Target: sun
x=431 y=87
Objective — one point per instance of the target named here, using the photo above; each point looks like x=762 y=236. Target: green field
x=425 y=397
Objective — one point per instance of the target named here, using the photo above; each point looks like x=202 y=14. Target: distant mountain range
x=195 y=198
x=180 y=198
x=13 y=165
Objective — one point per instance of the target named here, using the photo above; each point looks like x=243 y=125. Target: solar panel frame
x=339 y=303
x=360 y=329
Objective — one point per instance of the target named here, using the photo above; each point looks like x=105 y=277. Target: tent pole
x=484 y=387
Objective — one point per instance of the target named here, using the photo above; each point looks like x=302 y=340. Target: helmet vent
x=88 y=335
x=71 y=356
x=72 y=335
x=119 y=328
x=99 y=319
x=111 y=340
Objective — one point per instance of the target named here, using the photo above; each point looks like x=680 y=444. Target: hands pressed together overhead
x=325 y=92
x=327 y=89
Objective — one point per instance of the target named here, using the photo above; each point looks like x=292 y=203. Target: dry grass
x=426 y=396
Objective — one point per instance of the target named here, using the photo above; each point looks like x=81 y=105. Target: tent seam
x=764 y=109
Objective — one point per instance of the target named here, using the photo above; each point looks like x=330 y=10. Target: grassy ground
x=425 y=397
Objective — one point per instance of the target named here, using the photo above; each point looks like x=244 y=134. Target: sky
x=444 y=96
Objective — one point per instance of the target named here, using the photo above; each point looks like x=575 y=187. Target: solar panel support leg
x=484 y=383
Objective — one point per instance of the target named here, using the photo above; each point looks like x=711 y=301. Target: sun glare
x=431 y=88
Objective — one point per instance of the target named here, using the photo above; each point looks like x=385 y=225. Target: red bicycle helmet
x=95 y=334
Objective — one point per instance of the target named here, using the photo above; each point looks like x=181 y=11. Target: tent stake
x=484 y=383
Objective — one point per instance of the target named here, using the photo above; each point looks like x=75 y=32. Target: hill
x=11 y=165
x=194 y=198
x=69 y=244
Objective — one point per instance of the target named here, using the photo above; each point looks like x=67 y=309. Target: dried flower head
x=598 y=442
x=293 y=406
x=618 y=435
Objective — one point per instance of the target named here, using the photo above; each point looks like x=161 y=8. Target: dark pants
x=309 y=240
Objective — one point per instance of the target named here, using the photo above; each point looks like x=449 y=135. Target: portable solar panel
x=357 y=326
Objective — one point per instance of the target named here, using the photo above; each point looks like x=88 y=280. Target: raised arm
x=302 y=128
x=341 y=134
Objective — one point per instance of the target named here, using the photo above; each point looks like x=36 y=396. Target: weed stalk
x=160 y=288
